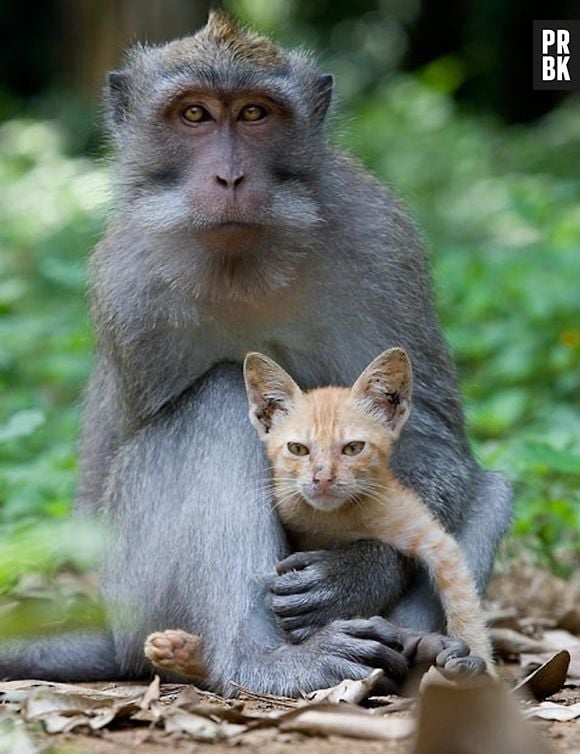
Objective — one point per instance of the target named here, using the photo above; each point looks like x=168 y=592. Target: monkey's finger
x=288 y=605
x=294 y=582
x=455 y=648
x=294 y=622
x=376 y=655
x=299 y=560
x=298 y=635
x=428 y=647
x=376 y=628
x=464 y=667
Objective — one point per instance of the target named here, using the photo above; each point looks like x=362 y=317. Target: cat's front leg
x=311 y=589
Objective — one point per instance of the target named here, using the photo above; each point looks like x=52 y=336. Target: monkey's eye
x=194 y=114
x=297 y=449
x=252 y=113
x=353 y=448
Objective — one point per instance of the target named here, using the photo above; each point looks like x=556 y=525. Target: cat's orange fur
x=361 y=498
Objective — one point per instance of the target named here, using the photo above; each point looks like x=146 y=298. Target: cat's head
x=328 y=445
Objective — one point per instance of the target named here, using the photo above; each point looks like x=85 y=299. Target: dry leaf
x=345 y=720
x=570 y=620
x=384 y=705
x=508 y=642
x=187 y=696
x=559 y=639
x=152 y=694
x=553 y=711
x=530 y=662
x=548 y=678
x=348 y=691
x=502 y=617
x=195 y=726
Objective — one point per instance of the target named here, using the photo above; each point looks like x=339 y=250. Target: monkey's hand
x=451 y=656
x=352 y=648
x=311 y=589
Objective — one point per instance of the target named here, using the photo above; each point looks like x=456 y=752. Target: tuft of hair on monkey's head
x=218 y=129
x=223 y=37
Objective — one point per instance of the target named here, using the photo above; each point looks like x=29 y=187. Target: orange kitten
x=330 y=451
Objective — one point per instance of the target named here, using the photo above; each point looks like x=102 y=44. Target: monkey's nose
x=230 y=180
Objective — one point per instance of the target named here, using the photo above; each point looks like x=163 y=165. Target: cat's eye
x=253 y=113
x=353 y=448
x=297 y=449
x=193 y=114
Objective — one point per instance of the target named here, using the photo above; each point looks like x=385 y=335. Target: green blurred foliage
x=500 y=210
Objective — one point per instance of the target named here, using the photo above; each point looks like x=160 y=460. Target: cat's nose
x=323 y=482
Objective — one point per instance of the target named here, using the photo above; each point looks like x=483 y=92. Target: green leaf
x=22 y=424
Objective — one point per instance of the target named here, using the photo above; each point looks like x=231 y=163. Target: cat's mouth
x=329 y=499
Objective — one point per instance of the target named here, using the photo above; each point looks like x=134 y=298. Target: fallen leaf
x=553 y=711
x=187 y=696
x=152 y=694
x=195 y=726
x=530 y=662
x=508 y=642
x=548 y=678
x=570 y=620
x=502 y=617
x=345 y=720
x=348 y=691
x=559 y=639
x=384 y=705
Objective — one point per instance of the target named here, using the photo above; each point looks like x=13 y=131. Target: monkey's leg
x=194 y=539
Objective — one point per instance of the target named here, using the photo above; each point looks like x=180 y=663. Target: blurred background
x=435 y=97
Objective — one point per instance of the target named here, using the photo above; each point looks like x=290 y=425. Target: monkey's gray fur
x=168 y=455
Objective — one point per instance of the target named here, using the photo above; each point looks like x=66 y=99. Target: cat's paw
x=176 y=651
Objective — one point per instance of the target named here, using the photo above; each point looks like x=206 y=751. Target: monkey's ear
x=117 y=95
x=323 y=95
x=271 y=391
x=384 y=389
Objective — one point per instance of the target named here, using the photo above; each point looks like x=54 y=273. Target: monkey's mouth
x=230 y=236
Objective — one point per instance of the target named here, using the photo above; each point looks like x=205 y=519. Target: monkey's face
x=233 y=174
x=222 y=155
x=224 y=166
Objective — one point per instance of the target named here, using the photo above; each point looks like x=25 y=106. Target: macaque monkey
x=237 y=227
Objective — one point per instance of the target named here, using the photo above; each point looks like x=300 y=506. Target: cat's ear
x=384 y=389
x=271 y=391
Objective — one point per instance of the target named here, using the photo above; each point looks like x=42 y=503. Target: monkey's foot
x=176 y=651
